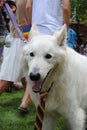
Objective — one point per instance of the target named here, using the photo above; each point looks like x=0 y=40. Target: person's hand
x=29 y=10
x=2 y=2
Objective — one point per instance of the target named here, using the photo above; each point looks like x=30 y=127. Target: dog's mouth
x=46 y=83
x=37 y=85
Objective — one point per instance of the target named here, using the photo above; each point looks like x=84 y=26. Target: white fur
x=68 y=95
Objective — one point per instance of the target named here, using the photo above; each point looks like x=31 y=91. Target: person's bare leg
x=3 y=85
x=26 y=98
x=18 y=85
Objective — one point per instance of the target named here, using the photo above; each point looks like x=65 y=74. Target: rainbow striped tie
x=40 y=111
x=26 y=29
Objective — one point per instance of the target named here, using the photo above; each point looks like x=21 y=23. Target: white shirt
x=47 y=15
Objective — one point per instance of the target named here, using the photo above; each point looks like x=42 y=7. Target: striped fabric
x=40 y=111
x=26 y=29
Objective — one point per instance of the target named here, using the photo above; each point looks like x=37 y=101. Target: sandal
x=25 y=110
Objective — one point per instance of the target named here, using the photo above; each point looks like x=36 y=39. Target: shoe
x=24 y=110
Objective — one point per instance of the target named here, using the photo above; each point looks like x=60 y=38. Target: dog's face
x=43 y=52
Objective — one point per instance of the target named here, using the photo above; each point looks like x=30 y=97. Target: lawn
x=12 y=119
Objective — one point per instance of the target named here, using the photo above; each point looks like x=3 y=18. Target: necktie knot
x=43 y=96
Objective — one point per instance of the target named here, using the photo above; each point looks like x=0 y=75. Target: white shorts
x=12 y=65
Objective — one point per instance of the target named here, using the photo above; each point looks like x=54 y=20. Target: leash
x=13 y=20
x=24 y=34
x=40 y=111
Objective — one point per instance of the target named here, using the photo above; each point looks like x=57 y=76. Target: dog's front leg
x=76 y=119
x=49 y=122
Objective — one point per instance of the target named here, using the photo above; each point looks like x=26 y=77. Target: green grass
x=11 y=119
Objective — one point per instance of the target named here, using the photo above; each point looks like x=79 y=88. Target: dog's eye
x=48 y=56
x=32 y=54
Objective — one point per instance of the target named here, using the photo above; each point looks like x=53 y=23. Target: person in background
x=50 y=16
x=3 y=30
x=2 y=25
x=12 y=68
x=2 y=2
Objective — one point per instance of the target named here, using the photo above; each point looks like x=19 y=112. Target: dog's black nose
x=34 y=77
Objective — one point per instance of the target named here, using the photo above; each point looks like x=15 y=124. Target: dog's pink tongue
x=36 y=86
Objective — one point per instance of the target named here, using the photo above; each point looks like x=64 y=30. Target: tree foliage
x=79 y=11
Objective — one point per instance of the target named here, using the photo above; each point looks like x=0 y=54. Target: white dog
x=55 y=66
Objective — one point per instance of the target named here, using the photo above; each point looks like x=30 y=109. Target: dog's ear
x=34 y=31
x=61 y=36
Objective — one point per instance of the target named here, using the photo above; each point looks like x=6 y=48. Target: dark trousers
x=2 y=25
